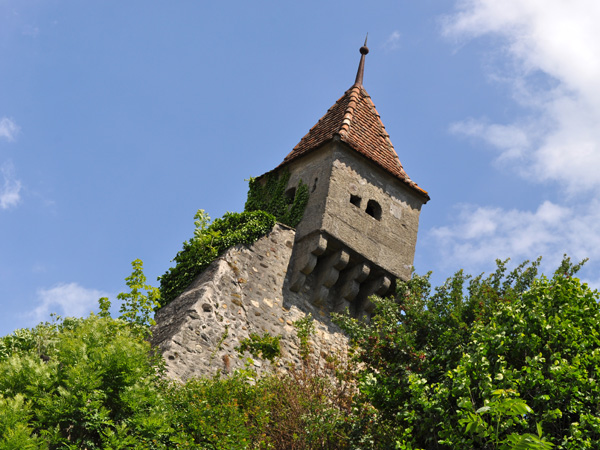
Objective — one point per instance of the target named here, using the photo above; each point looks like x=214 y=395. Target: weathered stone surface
x=359 y=205
x=244 y=291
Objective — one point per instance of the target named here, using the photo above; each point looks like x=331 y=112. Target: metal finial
x=364 y=49
x=361 y=65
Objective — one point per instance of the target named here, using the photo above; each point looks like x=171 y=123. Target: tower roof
x=354 y=120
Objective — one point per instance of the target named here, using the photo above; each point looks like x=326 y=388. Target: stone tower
x=356 y=238
x=359 y=229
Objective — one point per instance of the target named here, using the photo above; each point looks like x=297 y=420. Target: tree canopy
x=484 y=362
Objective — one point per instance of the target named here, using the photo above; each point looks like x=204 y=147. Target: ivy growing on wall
x=208 y=243
x=267 y=203
x=269 y=194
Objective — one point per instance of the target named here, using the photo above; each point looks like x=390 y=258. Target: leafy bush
x=219 y=413
x=15 y=431
x=90 y=380
x=137 y=307
x=510 y=361
x=208 y=243
x=433 y=361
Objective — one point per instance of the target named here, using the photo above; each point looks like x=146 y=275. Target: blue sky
x=118 y=120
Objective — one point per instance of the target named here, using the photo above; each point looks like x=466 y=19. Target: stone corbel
x=350 y=281
x=304 y=258
x=328 y=274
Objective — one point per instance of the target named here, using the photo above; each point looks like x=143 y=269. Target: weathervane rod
x=361 y=65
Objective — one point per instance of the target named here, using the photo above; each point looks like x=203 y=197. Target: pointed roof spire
x=364 y=50
x=354 y=120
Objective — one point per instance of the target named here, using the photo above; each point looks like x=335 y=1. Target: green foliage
x=308 y=409
x=505 y=410
x=508 y=361
x=87 y=381
x=219 y=413
x=104 y=306
x=93 y=383
x=436 y=361
x=208 y=243
x=268 y=194
x=138 y=307
x=305 y=328
x=266 y=346
x=15 y=431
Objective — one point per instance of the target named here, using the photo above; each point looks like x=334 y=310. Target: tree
x=81 y=383
x=441 y=367
x=138 y=307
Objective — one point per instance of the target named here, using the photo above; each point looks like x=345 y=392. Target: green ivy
x=208 y=243
x=267 y=203
x=265 y=346
x=268 y=194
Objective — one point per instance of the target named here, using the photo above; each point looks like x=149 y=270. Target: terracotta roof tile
x=357 y=123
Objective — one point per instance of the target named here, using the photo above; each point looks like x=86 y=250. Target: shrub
x=436 y=363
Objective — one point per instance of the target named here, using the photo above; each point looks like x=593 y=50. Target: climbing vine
x=269 y=194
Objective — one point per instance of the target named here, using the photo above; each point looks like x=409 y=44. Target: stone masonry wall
x=244 y=291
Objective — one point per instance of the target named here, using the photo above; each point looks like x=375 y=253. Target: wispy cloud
x=514 y=142
x=8 y=129
x=10 y=186
x=549 y=59
x=479 y=235
x=393 y=41
x=66 y=299
x=553 y=40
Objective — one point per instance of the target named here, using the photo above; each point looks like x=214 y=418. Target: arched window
x=355 y=200
x=290 y=194
x=373 y=209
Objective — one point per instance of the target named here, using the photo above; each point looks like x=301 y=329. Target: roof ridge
x=350 y=108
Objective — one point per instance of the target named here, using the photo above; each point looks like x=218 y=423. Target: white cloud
x=393 y=41
x=479 y=235
x=66 y=299
x=513 y=141
x=556 y=42
x=10 y=187
x=8 y=129
x=547 y=53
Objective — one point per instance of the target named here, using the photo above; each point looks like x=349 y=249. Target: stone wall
x=244 y=291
